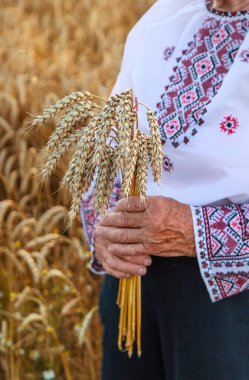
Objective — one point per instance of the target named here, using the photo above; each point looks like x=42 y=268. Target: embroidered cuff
x=222 y=244
x=89 y=218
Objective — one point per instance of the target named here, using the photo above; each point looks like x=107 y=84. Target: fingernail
x=141 y=271
x=147 y=261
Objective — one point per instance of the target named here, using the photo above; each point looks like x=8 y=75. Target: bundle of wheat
x=107 y=142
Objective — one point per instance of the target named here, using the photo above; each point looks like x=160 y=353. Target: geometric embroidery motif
x=223 y=248
x=244 y=56
x=229 y=124
x=225 y=233
x=167 y=164
x=231 y=284
x=197 y=78
x=168 y=52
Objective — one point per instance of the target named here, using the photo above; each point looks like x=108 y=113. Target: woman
x=189 y=61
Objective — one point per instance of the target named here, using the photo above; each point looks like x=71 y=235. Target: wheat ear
x=130 y=167
x=63 y=147
x=142 y=166
x=59 y=106
x=79 y=113
x=155 y=146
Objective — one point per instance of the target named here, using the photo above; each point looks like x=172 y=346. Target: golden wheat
x=142 y=166
x=54 y=50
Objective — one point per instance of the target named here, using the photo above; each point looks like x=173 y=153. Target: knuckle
x=99 y=232
x=155 y=225
x=122 y=218
x=141 y=259
x=123 y=237
x=108 y=218
x=114 y=265
x=111 y=249
x=131 y=251
x=149 y=247
x=100 y=221
x=134 y=259
x=133 y=269
x=124 y=250
x=129 y=267
x=109 y=261
x=104 y=266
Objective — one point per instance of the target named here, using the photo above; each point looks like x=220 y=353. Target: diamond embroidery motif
x=229 y=124
x=223 y=243
x=197 y=78
x=220 y=37
x=244 y=55
x=168 y=52
x=167 y=164
x=204 y=66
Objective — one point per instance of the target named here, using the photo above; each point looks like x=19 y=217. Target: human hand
x=132 y=232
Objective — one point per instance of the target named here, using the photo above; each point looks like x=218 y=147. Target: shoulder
x=159 y=12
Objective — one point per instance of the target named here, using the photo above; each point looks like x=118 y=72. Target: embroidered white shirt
x=190 y=64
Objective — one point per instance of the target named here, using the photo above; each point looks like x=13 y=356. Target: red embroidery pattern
x=231 y=283
x=168 y=52
x=229 y=124
x=223 y=248
x=198 y=76
x=90 y=216
x=168 y=164
x=244 y=55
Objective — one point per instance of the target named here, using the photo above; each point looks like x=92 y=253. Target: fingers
x=116 y=266
x=122 y=219
x=120 y=235
x=140 y=260
x=114 y=273
x=128 y=249
x=130 y=204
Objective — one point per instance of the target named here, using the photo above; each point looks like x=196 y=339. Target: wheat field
x=49 y=324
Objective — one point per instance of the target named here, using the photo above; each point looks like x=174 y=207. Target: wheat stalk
x=109 y=143
x=142 y=166
x=67 y=308
x=41 y=240
x=59 y=106
x=56 y=273
x=20 y=226
x=47 y=216
x=155 y=149
x=55 y=157
x=80 y=157
x=130 y=165
x=101 y=183
x=27 y=258
x=85 y=324
x=31 y=318
x=78 y=113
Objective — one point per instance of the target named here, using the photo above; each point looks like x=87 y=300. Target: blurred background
x=49 y=324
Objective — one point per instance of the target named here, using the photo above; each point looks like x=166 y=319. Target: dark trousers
x=184 y=335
